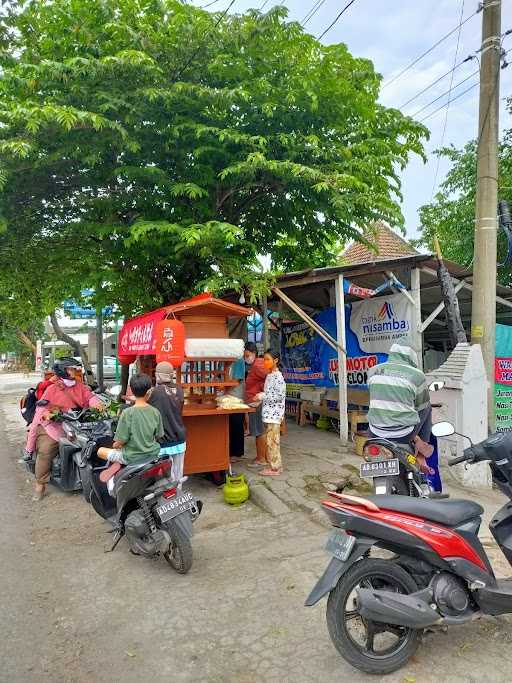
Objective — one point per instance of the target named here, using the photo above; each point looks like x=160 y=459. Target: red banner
x=138 y=334
x=503 y=370
x=170 y=341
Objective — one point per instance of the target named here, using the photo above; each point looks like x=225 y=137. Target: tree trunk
x=75 y=345
x=25 y=339
x=125 y=376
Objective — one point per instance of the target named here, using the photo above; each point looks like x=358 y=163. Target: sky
x=392 y=33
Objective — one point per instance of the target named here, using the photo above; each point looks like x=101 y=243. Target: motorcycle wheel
x=179 y=555
x=369 y=646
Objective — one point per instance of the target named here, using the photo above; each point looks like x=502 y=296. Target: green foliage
x=149 y=150
x=451 y=216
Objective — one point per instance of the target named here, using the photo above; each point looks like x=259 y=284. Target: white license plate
x=380 y=468
x=175 y=506
x=340 y=544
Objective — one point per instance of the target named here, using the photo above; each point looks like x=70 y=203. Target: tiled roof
x=387 y=244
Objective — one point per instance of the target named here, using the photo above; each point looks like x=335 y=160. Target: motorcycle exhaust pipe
x=394 y=608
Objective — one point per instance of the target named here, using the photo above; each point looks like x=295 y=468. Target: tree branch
x=25 y=339
x=75 y=345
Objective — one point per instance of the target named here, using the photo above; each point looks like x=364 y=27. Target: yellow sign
x=477 y=331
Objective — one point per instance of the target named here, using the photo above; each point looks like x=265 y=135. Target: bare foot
x=39 y=492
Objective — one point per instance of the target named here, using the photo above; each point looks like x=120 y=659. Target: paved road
x=72 y=613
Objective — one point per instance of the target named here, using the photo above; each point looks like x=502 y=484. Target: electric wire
x=436 y=81
x=446 y=92
x=438 y=161
x=196 y=52
x=336 y=19
x=471 y=87
x=313 y=10
x=427 y=52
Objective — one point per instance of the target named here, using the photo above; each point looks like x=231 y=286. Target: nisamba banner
x=503 y=379
x=371 y=327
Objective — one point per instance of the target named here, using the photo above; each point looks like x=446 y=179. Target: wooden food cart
x=202 y=378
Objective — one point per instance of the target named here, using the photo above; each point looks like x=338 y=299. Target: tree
x=451 y=216
x=152 y=149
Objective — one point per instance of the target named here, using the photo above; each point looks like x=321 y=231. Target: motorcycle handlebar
x=456 y=461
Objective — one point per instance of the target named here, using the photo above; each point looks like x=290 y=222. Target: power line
x=196 y=52
x=449 y=96
x=447 y=92
x=436 y=81
x=424 y=54
x=450 y=101
x=208 y=4
x=336 y=19
x=463 y=93
x=313 y=10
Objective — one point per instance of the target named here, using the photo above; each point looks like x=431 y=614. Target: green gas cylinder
x=236 y=489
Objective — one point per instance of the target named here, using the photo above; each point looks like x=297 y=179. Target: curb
x=268 y=501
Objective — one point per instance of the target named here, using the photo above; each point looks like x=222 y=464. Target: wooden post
x=416 y=335
x=342 y=365
x=264 y=313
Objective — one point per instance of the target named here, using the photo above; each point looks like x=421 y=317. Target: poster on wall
x=371 y=328
x=503 y=379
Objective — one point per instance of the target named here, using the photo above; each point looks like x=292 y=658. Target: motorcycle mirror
x=443 y=429
x=114 y=390
x=436 y=386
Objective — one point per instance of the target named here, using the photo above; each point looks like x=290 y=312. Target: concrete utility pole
x=483 y=314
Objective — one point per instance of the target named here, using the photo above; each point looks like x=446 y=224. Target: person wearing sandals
x=273 y=399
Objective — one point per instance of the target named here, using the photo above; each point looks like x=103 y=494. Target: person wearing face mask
x=273 y=399
x=65 y=393
x=254 y=383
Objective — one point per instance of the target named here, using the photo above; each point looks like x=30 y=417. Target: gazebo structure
x=409 y=274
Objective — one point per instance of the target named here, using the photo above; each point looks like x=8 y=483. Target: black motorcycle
x=394 y=469
x=143 y=503
x=79 y=427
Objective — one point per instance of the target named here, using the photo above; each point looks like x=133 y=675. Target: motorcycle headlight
x=69 y=431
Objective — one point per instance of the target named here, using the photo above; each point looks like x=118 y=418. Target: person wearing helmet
x=65 y=393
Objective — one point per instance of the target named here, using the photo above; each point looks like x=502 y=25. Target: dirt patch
x=346 y=478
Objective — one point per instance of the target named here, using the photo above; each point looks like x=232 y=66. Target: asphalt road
x=70 y=612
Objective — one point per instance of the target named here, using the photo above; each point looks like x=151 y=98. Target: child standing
x=273 y=398
x=138 y=429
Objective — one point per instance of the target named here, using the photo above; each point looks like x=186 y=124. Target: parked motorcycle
x=144 y=504
x=439 y=574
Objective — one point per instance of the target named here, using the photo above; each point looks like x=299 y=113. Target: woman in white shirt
x=273 y=398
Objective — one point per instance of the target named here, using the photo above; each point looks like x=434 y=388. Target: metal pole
x=342 y=363
x=483 y=313
x=99 y=347
x=264 y=312
x=416 y=326
x=116 y=332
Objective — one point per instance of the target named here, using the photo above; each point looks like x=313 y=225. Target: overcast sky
x=392 y=33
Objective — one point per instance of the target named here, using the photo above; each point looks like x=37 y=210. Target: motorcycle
x=144 y=504
x=79 y=426
x=439 y=574
x=394 y=469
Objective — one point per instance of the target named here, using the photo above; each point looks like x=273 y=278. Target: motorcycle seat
x=448 y=512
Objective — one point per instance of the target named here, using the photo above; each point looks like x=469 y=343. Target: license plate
x=380 y=468
x=175 y=506
x=340 y=544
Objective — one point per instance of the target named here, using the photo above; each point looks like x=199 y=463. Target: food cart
x=204 y=373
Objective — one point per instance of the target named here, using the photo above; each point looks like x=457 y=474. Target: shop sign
x=503 y=379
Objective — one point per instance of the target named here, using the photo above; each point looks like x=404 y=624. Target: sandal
x=256 y=463
x=269 y=472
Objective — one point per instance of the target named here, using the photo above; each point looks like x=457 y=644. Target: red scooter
x=437 y=574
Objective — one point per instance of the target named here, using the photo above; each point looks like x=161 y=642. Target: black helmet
x=62 y=364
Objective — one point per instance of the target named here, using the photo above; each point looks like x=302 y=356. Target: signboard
x=371 y=328
x=138 y=334
x=503 y=379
